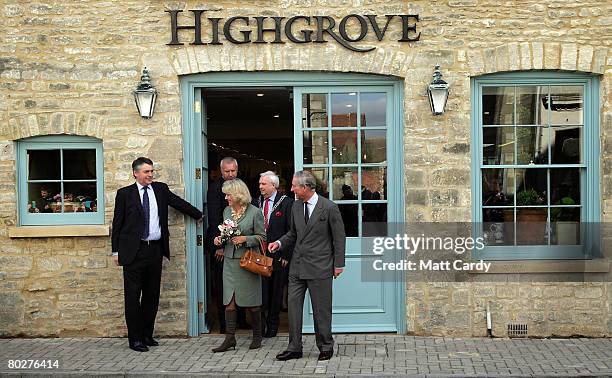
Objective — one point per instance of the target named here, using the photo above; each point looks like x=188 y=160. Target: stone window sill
x=601 y=265
x=58 y=231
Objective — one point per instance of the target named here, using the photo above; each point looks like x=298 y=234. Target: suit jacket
x=319 y=246
x=215 y=204
x=280 y=222
x=128 y=221
x=251 y=225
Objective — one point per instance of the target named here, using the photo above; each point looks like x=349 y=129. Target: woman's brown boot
x=230 y=330
x=256 y=321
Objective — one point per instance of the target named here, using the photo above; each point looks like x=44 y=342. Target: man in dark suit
x=215 y=204
x=318 y=239
x=276 y=209
x=139 y=239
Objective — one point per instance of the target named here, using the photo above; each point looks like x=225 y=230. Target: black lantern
x=438 y=93
x=145 y=95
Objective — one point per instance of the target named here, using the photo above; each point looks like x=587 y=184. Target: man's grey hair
x=228 y=160
x=306 y=179
x=274 y=180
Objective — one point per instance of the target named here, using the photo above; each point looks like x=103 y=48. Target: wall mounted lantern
x=145 y=95
x=438 y=93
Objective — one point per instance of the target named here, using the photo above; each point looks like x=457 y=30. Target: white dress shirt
x=270 y=206
x=154 y=228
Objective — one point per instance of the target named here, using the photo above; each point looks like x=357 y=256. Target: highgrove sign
x=296 y=29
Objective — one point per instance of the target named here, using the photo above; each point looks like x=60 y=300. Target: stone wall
x=69 y=67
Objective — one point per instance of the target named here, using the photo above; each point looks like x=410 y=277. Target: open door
x=196 y=257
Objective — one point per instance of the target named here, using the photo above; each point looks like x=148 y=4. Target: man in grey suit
x=318 y=240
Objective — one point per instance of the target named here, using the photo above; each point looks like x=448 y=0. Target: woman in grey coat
x=240 y=287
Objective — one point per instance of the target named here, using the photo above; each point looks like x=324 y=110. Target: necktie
x=145 y=208
x=306 y=216
x=266 y=213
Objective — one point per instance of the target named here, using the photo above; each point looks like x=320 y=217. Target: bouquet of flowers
x=228 y=229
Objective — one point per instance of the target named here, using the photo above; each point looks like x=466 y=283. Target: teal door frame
x=192 y=157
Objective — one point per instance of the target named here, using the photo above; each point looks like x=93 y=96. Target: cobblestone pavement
x=355 y=354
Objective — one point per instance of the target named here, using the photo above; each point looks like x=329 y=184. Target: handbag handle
x=262 y=245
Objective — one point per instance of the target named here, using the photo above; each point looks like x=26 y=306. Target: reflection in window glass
x=531 y=226
x=344 y=109
x=497 y=189
x=373 y=183
x=498 y=105
x=373 y=109
x=498 y=145
x=530 y=101
x=565 y=186
x=566 y=105
x=315 y=147
x=314 y=110
x=321 y=177
x=374 y=146
x=532 y=145
x=344 y=147
x=531 y=187
x=345 y=183
x=566 y=142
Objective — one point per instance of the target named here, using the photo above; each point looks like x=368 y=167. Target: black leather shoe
x=149 y=341
x=138 y=346
x=288 y=355
x=326 y=355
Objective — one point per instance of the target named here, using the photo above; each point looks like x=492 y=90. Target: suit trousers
x=273 y=288
x=141 y=286
x=321 y=299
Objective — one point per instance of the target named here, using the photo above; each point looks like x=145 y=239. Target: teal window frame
x=590 y=182
x=54 y=143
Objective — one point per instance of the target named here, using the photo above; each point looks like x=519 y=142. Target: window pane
x=373 y=109
x=373 y=146
x=314 y=110
x=315 y=147
x=498 y=226
x=374 y=212
x=498 y=188
x=532 y=145
x=80 y=197
x=79 y=164
x=344 y=147
x=566 y=105
x=498 y=145
x=43 y=164
x=344 y=109
x=42 y=197
x=565 y=226
x=345 y=183
x=566 y=144
x=321 y=175
x=531 y=187
x=565 y=186
x=374 y=183
x=530 y=108
x=531 y=226
x=498 y=105
x=350 y=218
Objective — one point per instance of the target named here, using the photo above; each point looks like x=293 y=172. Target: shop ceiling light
x=145 y=95
x=438 y=93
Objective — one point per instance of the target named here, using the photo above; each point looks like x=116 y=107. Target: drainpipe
x=489 y=325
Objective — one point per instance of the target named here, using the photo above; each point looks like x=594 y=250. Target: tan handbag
x=256 y=262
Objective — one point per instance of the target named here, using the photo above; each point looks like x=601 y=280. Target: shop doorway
x=254 y=126
x=345 y=128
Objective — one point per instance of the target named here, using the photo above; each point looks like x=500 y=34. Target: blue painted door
x=346 y=136
x=201 y=175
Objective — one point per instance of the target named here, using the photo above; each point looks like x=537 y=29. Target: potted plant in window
x=531 y=222
x=565 y=222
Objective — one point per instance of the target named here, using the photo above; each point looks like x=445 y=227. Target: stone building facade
x=68 y=68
